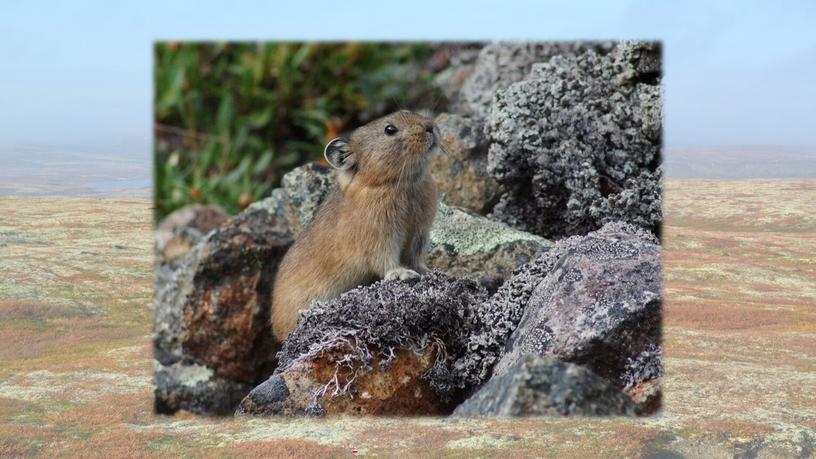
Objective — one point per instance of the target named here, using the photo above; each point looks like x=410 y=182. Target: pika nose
x=429 y=126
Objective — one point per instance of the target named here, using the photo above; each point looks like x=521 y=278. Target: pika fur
x=374 y=225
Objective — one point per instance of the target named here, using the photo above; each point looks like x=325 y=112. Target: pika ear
x=338 y=154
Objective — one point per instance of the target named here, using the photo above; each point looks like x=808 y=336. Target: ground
x=739 y=317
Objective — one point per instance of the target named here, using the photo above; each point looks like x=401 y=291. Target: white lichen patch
x=481 y=442
x=75 y=386
x=324 y=432
x=129 y=356
x=188 y=375
x=471 y=235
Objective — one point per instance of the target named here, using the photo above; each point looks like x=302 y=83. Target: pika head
x=390 y=150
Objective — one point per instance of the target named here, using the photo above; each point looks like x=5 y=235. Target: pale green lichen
x=187 y=375
x=474 y=235
x=481 y=442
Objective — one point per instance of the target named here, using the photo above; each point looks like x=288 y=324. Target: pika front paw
x=422 y=270
x=401 y=274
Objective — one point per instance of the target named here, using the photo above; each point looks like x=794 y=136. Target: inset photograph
x=408 y=229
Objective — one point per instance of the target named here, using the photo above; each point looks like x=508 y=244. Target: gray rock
x=576 y=144
x=195 y=388
x=546 y=386
x=460 y=65
x=592 y=300
x=645 y=366
x=501 y=64
x=267 y=399
x=464 y=244
x=302 y=191
x=460 y=168
x=212 y=315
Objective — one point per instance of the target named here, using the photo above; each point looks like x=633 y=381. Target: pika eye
x=390 y=129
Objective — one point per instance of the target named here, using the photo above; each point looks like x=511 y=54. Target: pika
x=374 y=224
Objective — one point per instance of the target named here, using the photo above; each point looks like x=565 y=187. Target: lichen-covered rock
x=389 y=384
x=592 y=300
x=464 y=244
x=534 y=385
x=182 y=229
x=388 y=348
x=593 y=290
x=302 y=191
x=195 y=388
x=460 y=167
x=576 y=144
x=212 y=313
x=501 y=64
x=641 y=378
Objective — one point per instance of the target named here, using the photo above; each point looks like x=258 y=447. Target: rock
x=592 y=300
x=195 y=388
x=183 y=228
x=535 y=386
x=645 y=366
x=641 y=378
x=302 y=191
x=647 y=395
x=576 y=144
x=212 y=314
x=461 y=62
x=322 y=385
x=464 y=244
x=390 y=348
x=501 y=64
x=460 y=167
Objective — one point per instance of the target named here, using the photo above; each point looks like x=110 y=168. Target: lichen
x=577 y=143
x=472 y=236
x=437 y=310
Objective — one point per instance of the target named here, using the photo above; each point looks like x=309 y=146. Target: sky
x=78 y=74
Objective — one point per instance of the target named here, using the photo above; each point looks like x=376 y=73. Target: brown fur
x=373 y=225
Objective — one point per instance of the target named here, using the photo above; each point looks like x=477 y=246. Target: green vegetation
x=231 y=119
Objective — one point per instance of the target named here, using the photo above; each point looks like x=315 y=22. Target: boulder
x=212 y=315
x=390 y=348
x=390 y=383
x=535 y=386
x=576 y=143
x=592 y=300
x=460 y=167
x=499 y=65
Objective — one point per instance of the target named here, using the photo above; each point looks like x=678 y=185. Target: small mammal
x=373 y=225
